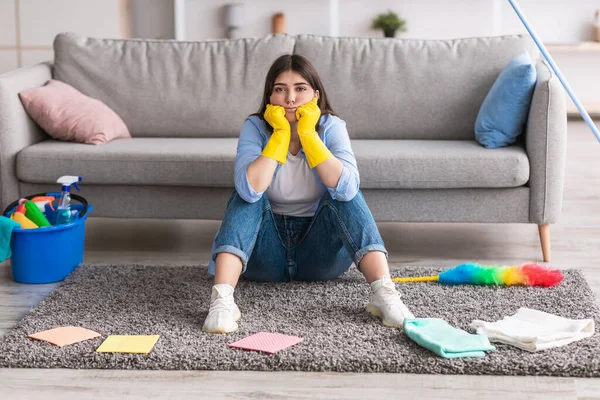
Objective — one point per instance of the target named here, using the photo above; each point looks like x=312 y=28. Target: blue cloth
x=444 y=340
x=279 y=248
x=6 y=227
x=332 y=130
x=503 y=113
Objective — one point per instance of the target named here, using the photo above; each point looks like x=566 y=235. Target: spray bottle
x=63 y=212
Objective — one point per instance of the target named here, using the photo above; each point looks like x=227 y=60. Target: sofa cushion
x=435 y=164
x=504 y=111
x=171 y=88
x=383 y=164
x=410 y=88
x=67 y=114
x=136 y=161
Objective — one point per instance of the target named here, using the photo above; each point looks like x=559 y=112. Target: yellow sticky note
x=141 y=344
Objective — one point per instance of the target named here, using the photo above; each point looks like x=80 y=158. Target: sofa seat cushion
x=136 y=161
x=383 y=164
x=435 y=164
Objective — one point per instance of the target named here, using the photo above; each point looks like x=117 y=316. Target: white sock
x=224 y=289
x=376 y=285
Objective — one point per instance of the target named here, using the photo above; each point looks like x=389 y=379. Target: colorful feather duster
x=475 y=274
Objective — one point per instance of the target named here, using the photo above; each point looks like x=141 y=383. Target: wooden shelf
x=592 y=107
x=581 y=47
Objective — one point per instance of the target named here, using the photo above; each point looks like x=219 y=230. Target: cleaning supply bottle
x=34 y=214
x=41 y=202
x=63 y=212
x=23 y=220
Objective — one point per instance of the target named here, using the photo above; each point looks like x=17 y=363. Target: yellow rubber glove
x=279 y=143
x=314 y=148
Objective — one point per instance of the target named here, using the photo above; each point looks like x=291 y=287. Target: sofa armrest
x=546 y=145
x=17 y=129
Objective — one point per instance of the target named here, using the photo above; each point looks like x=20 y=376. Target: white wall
x=7 y=23
x=554 y=20
x=28 y=39
x=204 y=19
x=41 y=20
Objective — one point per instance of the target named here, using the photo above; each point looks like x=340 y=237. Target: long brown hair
x=301 y=65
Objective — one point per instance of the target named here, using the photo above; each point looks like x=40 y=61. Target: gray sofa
x=410 y=107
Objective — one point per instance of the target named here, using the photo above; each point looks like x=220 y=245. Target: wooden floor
x=575 y=244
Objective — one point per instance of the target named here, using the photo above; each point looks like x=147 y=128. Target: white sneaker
x=223 y=312
x=385 y=303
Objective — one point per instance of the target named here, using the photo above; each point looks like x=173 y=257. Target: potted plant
x=389 y=22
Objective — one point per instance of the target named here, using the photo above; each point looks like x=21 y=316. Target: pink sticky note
x=266 y=342
x=65 y=335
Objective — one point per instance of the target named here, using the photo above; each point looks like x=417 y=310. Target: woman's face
x=291 y=91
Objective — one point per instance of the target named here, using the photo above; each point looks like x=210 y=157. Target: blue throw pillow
x=502 y=116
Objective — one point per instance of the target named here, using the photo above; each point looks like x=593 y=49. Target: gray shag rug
x=338 y=334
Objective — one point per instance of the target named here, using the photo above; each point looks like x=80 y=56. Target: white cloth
x=294 y=190
x=534 y=330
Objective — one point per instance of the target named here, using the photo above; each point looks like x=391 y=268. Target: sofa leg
x=544 y=230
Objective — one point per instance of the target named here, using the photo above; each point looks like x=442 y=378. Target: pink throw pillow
x=67 y=114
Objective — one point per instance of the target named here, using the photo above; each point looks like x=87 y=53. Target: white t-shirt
x=294 y=190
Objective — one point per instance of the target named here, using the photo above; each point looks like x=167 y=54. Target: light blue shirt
x=332 y=131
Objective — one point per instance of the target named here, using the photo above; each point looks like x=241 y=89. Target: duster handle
x=561 y=78
x=418 y=279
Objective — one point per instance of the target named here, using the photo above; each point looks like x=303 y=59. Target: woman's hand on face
x=278 y=144
x=275 y=116
x=308 y=116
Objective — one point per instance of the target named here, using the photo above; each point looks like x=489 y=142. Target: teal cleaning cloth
x=444 y=340
x=6 y=227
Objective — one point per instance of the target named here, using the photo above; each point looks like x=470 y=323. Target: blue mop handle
x=537 y=41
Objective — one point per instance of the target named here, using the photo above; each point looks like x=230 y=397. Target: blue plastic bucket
x=48 y=254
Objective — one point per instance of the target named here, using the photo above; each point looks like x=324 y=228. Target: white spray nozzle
x=67 y=180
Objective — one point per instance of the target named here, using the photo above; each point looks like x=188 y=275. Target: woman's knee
x=357 y=201
x=239 y=210
x=235 y=198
